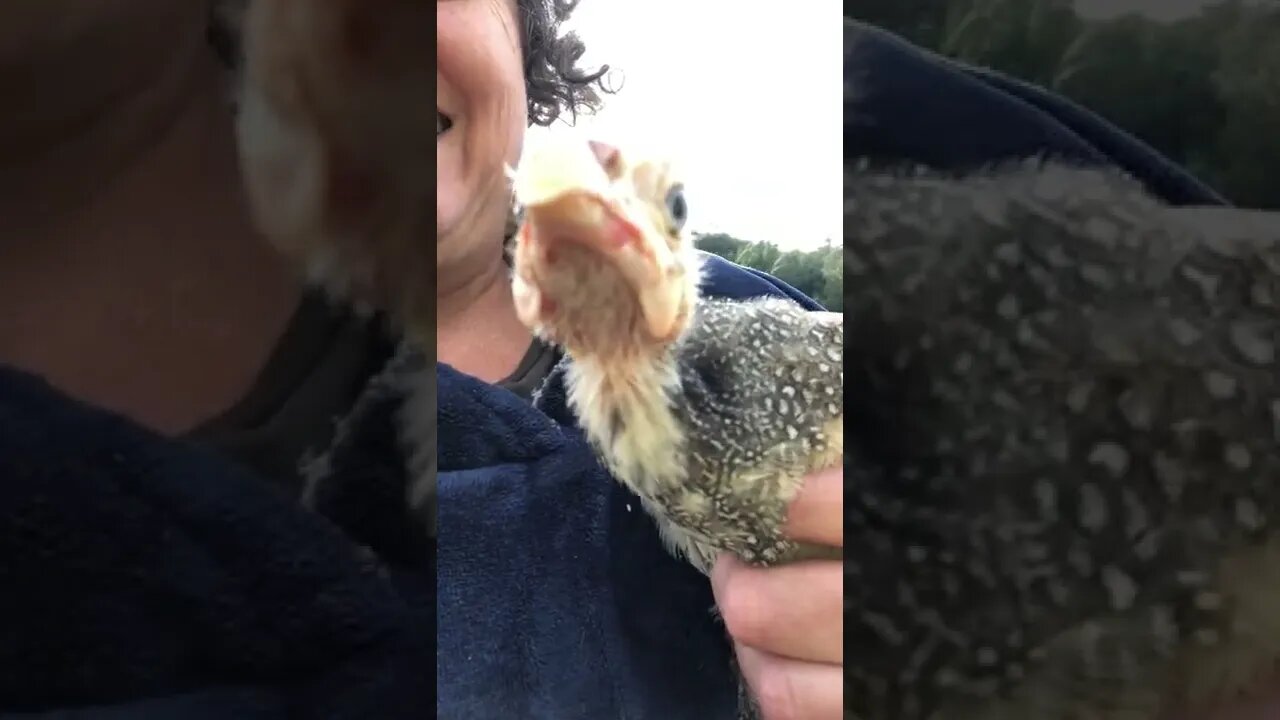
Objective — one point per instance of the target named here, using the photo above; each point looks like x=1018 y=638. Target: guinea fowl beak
x=570 y=194
x=567 y=194
x=583 y=218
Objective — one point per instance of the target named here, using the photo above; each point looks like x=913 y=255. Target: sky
x=744 y=97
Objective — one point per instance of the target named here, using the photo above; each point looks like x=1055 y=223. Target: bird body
x=710 y=411
x=715 y=435
x=1064 y=488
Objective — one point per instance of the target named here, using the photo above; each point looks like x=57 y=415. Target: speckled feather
x=761 y=381
x=759 y=386
x=1064 y=485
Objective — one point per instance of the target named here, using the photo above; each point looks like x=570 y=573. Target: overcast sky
x=746 y=96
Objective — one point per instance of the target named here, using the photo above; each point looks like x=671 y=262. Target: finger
x=795 y=610
x=817 y=513
x=785 y=688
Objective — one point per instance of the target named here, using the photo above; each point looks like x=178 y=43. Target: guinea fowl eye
x=677 y=208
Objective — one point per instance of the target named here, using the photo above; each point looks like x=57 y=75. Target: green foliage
x=726 y=246
x=1165 y=94
x=1246 y=156
x=1026 y=38
x=923 y=22
x=832 y=294
x=816 y=273
x=1204 y=90
x=800 y=270
x=760 y=255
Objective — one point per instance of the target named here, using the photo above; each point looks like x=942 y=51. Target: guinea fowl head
x=602 y=265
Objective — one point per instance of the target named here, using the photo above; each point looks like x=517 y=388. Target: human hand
x=787 y=622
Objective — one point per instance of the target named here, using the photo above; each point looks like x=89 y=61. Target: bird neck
x=626 y=406
x=627 y=402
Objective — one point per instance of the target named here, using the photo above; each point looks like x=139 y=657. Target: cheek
x=480 y=67
x=478 y=57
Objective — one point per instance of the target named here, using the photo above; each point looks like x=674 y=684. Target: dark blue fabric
x=221 y=703
x=904 y=103
x=141 y=577
x=146 y=578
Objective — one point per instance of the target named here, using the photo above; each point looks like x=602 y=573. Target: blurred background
x=1197 y=79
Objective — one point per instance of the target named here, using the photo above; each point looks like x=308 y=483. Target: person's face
x=480 y=93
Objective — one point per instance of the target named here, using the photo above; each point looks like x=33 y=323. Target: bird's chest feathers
x=626 y=410
x=628 y=414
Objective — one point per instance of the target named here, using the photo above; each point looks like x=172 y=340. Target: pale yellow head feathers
x=601 y=243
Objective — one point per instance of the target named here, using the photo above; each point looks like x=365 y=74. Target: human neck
x=128 y=242
x=478 y=331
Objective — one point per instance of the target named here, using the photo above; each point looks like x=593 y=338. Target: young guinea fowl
x=1064 y=497
x=332 y=122
x=710 y=411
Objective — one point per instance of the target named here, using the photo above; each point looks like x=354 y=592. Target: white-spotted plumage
x=1066 y=502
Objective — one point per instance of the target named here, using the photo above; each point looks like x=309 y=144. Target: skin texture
x=603 y=269
x=123 y=138
x=790 y=645
x=480 y=86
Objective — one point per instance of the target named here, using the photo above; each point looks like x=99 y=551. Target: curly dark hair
x=553 y=81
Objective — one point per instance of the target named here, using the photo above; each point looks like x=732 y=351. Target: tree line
x=1203 y=90
x=817 y=273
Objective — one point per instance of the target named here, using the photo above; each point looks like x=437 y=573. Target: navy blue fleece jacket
x=141 y=577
